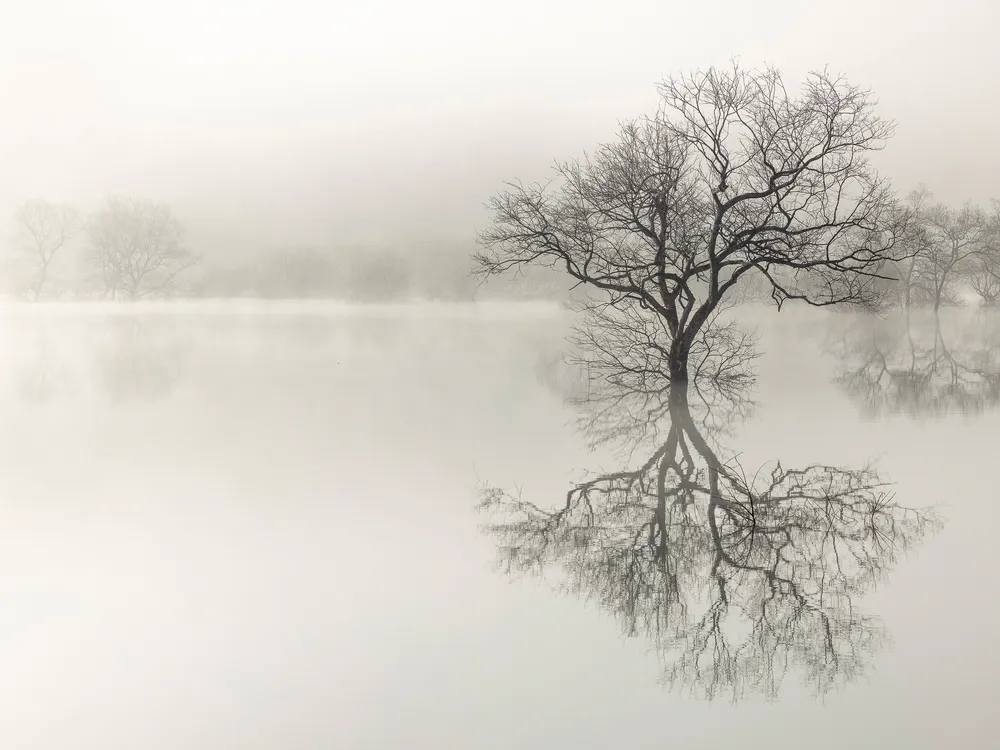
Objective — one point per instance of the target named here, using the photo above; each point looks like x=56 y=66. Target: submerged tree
x=42 y=229
x=736 y=578
x=733 y=178
x=136 y=249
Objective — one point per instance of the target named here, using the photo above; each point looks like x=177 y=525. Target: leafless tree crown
x=945 y=247
x=42 y=229
x=732 y=175
x=136 y=248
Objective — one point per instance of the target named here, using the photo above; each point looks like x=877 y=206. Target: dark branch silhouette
x=733 y=179
x=616 y=373
x=736 y=578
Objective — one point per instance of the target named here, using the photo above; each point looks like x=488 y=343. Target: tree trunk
x=679 y=351
x=678 y=399
x=41 y=282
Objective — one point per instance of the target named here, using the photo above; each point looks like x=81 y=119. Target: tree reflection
x=141 y=361
x=737 y=578
x=917 y=368
x=131 y=357
x=616 y=375
x=46 y=373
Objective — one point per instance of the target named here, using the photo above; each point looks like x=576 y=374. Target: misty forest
x=694 y=417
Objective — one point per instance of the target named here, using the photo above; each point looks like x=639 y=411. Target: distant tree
x=984 y=271
x=135 y=249
x=956 y=238
x=915 y=244
x=441 y=273
x=732 y=176
x=226 y=282
x=754 y=287
x=42 y=229
x=298 y=272
x=376 y=275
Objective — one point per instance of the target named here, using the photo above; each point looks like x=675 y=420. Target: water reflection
x=130 y=358
x=47 y=372
x=738 y=577
x=918 y=367
x=140 y=360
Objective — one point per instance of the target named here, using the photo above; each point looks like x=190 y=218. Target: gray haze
x=272 y=123
x=234 y=524
x=255 y=529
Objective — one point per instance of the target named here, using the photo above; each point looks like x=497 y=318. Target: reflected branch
x=917 y=368
x=736 y=577
x=140 y=362
x=618 y=378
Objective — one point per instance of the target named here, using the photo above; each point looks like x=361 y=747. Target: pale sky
x=269 y=123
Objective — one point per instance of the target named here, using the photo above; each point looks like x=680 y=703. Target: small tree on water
x=732 y=175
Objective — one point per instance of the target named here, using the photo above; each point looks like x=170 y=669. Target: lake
x=254 y=525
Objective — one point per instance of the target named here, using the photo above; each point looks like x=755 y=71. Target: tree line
x=946 y=249
x=134 y=248
x=358 y=274
x=735 y=189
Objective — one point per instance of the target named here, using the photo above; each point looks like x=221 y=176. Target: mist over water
x=450 y=375
x=254 y=525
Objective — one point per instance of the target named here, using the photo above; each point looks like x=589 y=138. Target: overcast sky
x=267 y=123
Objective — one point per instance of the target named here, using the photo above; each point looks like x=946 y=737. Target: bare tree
x=690 y=551
x=732 y=175
x=42 y=229
x=957 y=238
x=630 y=375
x=944 y=247
x=136 y=249
x=984 y=272
x=616 y=372
x=915 y=242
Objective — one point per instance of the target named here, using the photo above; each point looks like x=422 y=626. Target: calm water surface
x=256 y=527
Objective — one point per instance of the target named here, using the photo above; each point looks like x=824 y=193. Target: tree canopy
x=732 y=175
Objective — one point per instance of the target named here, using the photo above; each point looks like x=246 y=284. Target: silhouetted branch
x=732 y=178
x=737 y=578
